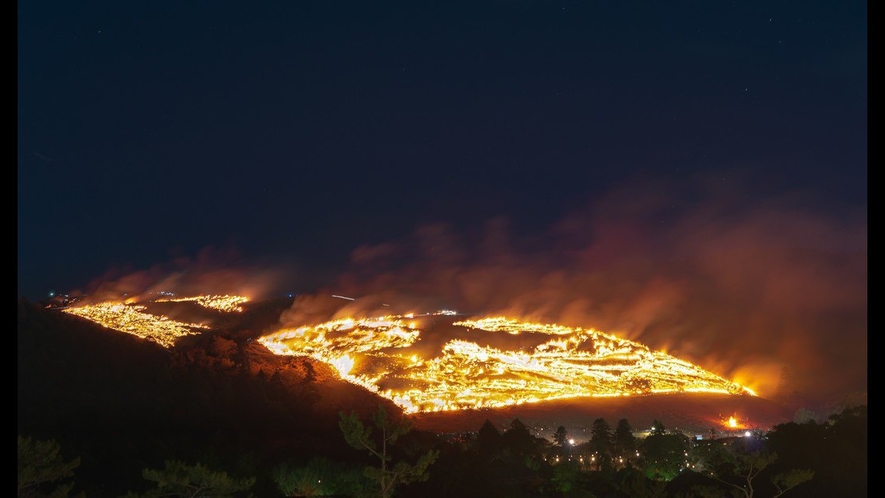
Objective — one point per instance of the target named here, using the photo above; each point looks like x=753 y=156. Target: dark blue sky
x=304 y=129
x=332 y=143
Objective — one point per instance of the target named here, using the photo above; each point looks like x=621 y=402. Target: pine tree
x=40 y=465
x=488 y=440
x=561 y=439
x=601 y=442
x=179 y=479
x=388 y=475
x=624 y=442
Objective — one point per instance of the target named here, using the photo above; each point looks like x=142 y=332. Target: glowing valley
x=443 y=361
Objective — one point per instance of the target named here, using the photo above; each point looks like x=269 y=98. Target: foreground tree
x=320 y=477
x=739 y=465
x=835 y=450
x=657 y=428
x=624 y=443
x=562 y=441
x=41 y=467
x=633 y=483
x=662 y=454
x=488 y=440
x=601 y=443
x=388 y=475
x=567 y=480
x=519 y=442
x=179 y=479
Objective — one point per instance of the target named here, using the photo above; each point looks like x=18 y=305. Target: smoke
x=743 y=282
x=761 y=287
x=210 y=271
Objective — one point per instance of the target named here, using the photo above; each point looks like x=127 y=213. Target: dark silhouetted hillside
x=123 y=403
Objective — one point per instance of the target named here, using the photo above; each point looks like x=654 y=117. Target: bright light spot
x=343 y=364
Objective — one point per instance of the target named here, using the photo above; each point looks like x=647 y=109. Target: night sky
x=691 y=175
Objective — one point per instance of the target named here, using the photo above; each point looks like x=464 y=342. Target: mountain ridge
x=123 y=403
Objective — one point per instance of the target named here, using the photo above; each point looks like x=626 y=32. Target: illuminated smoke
x=218 y=271
x=744 y=289
x=770 y=293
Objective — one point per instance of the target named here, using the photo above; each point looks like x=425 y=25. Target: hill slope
x=123 y=403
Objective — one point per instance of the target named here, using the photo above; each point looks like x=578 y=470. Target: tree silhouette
x=624 y=442
x=601 y=443
x=836 y=451
x=518 y=441
x=662 y=455
x=387 y=475
x=319 y=477
x=561 y=439
x=179 y=479
x=739 y=465
x=488 y=440
x=657 y=428
x=40 y=465
x=633 y=483
x=566 y=477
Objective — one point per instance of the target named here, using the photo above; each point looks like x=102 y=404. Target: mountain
x=123 y=403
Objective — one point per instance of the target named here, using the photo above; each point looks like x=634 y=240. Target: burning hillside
x=437 y=362
x=445 y=362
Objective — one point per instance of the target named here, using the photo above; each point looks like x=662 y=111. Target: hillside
x=122 y=402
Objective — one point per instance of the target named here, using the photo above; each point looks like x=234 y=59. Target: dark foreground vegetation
x=103 y=414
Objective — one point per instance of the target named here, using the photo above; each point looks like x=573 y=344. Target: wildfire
x=129 y=318
x=381 y=354
x=733 y=423
x=435 y=362
x=224 y=303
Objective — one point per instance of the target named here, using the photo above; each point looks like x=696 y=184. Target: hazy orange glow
x=734 y=422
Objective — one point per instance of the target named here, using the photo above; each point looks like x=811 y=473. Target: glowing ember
x=130 y=319
x=221 y=303
x=384 y=355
